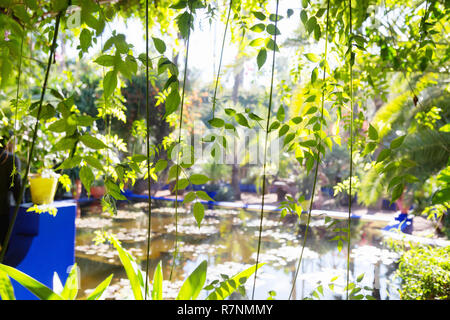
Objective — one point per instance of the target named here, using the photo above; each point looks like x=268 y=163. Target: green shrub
x=425 y=273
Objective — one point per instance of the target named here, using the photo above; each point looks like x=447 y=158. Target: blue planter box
x=42 y=244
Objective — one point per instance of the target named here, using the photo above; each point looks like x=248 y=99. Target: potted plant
x=43 y=186
x=97 y=188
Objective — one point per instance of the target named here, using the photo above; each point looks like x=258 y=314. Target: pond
x=228 y=240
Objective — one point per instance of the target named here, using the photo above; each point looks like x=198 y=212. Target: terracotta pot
x=97 y=191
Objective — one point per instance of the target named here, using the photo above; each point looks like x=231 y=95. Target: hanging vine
x=186 y=30
x=351 y=57
x=35 y=130
x=269 y=111
x=220 y=60
x=319 y=148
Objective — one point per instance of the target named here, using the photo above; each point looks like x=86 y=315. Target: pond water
x=228 y=240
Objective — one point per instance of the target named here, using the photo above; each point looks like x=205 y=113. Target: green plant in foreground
x=190 y=290
x=425 y=273
x=68 y=292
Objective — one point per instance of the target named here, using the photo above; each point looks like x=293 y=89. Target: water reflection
x=228 y=239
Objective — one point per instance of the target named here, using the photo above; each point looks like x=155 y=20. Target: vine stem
x=33 y=141
x=147 y=109
x=17 y=105
x=265 y=152
x=351 y=146
x=220 y=59
x=179 y=144
x=316 y=170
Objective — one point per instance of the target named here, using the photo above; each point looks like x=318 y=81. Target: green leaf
x=283 y=130
x=105 y=60
x=311 y=110
x=445 y=128
x=92 y=142
x=86 y=177
x=314 y=75
x=309 y=164
x=204 y=196
x=216 y=122
x=93 y=162
x=289 y=137
x=38 y=289
x=254 y=116
x=257 y=42
x=143 y=58
x=240 y=118
x=271 y=45
x=174 y=171
x=373 y=134
x=172 y=102
x=230 y=112
x=260 y=27
x=274 y=17
x=131 y=268
x=230 y=285
x=312 y=57
x=189 y=197
x=58 y=126
x=441 y=196
x=160 y=165
x=179 y=5
x=6 y=288
x=109 y=83
x=261 y=58
x=397 y=142
x=304 y=17
x=65 y=143
x=85 y=39
x=360 y=277
x=181 y=184
x=198 y=179
x=184 y=22
x=71 y=287
x=274 y=126
x=158 y=283
x=311 y=24
x=297 y=120
x=259 y=15
x=317 y=32
x=397 y=192
x=98 y=291
x=281 y=114
x=85 y=121
x=159 y=45
x=289 y=13
x=199 y=212
x=272 y=30
x=194 y=283
x=383 y=154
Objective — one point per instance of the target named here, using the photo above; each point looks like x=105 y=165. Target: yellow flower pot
x=42 y=189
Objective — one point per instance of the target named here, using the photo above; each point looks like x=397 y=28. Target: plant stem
x=179 y=144
x=33 y=141
x=351 y=146
x=220 y=60
x=147 y=108
x=17 y=104
x=265 y=151
x=316 y=170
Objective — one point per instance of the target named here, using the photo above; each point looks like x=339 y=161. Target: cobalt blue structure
x=405 y=224
x=42 y=244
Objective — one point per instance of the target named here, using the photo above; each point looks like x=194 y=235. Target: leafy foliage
x=425 y=273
